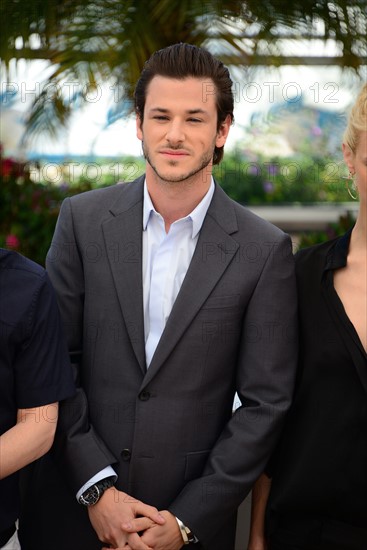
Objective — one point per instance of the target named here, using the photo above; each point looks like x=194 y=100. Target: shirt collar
x=197 y=216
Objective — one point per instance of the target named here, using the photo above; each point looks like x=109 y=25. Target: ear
x=139 y=128
x=348 y=157
x=223 y=131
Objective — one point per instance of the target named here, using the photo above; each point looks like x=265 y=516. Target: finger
x=138 y=524
x=151 y=512
x=136 y=543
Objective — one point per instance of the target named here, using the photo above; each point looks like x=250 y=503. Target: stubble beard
x=204 y=161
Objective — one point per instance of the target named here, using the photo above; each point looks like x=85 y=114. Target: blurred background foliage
x=333 y=230
x=91 y=41
x=31 y=193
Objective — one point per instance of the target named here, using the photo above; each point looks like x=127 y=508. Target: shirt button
x=144 y=395
x=126 y=455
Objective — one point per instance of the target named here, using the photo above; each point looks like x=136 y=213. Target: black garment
x=320 y=467
x=34 y=362
x=7 y=534
x=309 y=533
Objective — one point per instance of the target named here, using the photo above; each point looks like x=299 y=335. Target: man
x=35 y=374
x=174 y=298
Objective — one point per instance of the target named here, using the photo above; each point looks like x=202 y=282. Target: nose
x=175 y=133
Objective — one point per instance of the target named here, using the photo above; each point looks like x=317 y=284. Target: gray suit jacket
x=169 y=431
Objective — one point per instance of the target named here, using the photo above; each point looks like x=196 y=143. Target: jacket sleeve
x=78 y=449
x=266 y=370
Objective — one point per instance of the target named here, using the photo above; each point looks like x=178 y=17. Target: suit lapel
x=123 y=239
x=214 y=252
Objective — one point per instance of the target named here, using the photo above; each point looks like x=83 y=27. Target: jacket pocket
x=195 y=463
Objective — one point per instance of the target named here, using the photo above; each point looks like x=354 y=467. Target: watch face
x=90 y=496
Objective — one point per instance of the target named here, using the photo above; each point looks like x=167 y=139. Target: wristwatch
x=187 y=535
x=91 y=496
x=190 y=536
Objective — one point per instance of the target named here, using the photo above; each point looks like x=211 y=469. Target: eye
x=194 y=120
x=160 y=117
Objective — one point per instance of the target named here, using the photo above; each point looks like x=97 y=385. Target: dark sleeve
x=42 y=368
x=265 y=381
x=304 y=266
x=78 y=449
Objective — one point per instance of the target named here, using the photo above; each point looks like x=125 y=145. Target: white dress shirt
x=166 y=259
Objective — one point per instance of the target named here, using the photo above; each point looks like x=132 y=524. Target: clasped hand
x=126 y=523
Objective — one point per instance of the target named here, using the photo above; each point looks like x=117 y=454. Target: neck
x=175 y=200
x=359 y=233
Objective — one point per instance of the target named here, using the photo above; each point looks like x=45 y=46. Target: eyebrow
x=189 y=111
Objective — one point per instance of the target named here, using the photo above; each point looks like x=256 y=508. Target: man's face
x=179 y=131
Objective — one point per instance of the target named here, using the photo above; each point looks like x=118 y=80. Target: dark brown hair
x=180 y=61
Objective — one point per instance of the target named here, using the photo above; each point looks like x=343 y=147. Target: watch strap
x=105 y=484
x=187 y=535
x=190 y=535
x=92 y=495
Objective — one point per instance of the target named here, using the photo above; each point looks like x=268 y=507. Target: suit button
x=126 y=455
x=144 y=395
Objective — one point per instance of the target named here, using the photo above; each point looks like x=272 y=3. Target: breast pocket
x=195 y=463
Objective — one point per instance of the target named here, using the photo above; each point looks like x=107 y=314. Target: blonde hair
x=357 y=121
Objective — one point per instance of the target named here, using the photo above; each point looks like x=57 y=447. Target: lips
x=174 y=152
